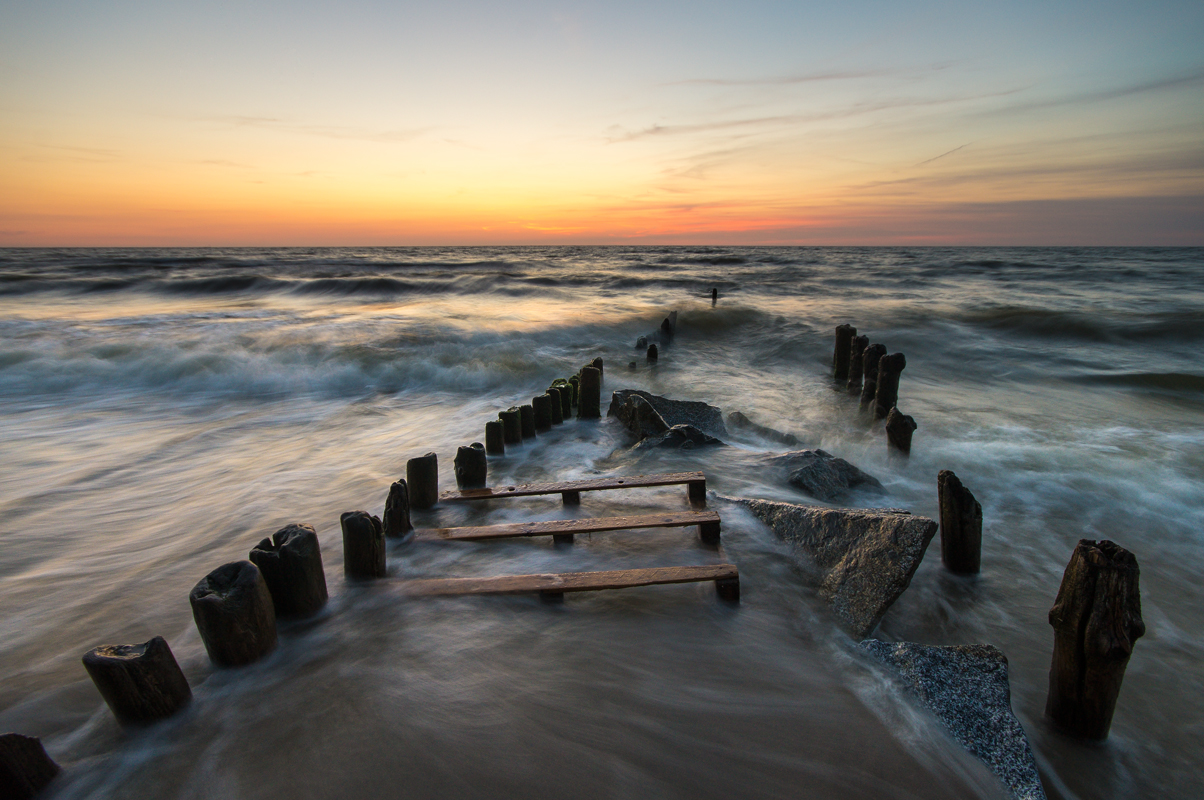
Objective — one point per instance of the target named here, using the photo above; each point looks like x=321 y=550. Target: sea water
x=164 y=410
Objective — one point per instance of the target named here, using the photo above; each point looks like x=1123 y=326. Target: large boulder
x=861 y=560
x=823 y=475
x=966 y=686
x=646 y=414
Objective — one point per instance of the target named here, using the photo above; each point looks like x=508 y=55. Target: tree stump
x=291 y=565
x=233 y=611
x=869 y=370
x=472 y=469
x=841 y=353
x=495 y=438
x=396 y=519
x=961 y=525
x=140 y=682
x=363 y=545
x=857 y=361
x=590 y=405
x=541 y=408
x=653 y=354
x=422 y=477
x=1096 y=620
x=886 y=394
x=25 y=768
x=512 y=425
x=899 y=428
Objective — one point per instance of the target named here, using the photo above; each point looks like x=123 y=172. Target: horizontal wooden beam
x=560 y=527
x=726 y=577
x=695 y=481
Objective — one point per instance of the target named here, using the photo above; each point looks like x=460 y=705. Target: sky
x=130 y=122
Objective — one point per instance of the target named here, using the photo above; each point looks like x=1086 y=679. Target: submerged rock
x=646 y=414
x=966 y=686
x=740 y=422
x=823 y=475
x=862 y=559
x=682 y=437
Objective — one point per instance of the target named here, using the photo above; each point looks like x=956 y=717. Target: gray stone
x=646 y=414
x=738 y=421
x=681 y=437
x=861 y=560
x=966 y=686
x=823 y=475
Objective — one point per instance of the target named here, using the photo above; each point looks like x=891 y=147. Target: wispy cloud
x=324 y=131
x=1162 y=84
x=942 y=155
x=811 y=77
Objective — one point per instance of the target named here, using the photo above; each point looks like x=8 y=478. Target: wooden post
x=495 y=438
x=641 y=343
x=667 y=329
x=541 y=408
x=597 y=364
x=363 y=545
x=1096 y=620
x=575 y=386
x=653 y=354
x=140 y=682
x=25 y=768
x=566 y=398
x=840 y=355
x=472 y=468
x=899 y=428
x=857 y=361
x=961 y=525
x=570 y=498
x=526 y=420
x=396 y=519
x=291 y=565
x=886 y=394
x=512 y=425
x=728 y=589
x=590 y=404
x=714 y=297
x=696 y=491
x=422 y=475
x=233 y=611
x=709 y=532
x=869 y=370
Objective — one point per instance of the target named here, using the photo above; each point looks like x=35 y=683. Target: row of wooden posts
x=868 y=369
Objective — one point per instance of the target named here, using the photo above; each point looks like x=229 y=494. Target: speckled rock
x=966 y=686
x=646 y=414
x=823 y=475
x=681 y=437
x=861 y=560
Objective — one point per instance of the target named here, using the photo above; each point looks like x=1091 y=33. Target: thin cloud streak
x=324 y=131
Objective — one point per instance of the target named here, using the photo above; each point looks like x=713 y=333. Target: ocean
x=165 y=409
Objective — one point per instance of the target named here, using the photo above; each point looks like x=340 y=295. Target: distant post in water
x=363 y=545
x=869 y=360
x=840 y=355
x=857 y=361
x=961 y=525
x=512 y=425
x=541 y=409
x=234 y=614
x=422 y=475
x=495 y=438
x=396 y=519
x=886 y=393
x=1096 y=620
x=472 y=469
x=25 y=768
x=641 y=343
x=590 y=404
x=714 y=297
x=653 y=354
x=141 y=683
x=291 y=565
x=597 y=364
x=899 y=428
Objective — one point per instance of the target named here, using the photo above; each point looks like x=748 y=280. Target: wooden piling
x=961 y=525
x=25 y=767
x=857 y=362
x=495 y=438
x=899 y=428
x=597 y=364
x=641 y=343
x=1096 y=620
x=526 y=419
x=472 y=469
x=422 y=476
x=141 y=683
x=714 y=297
x=653 y=354
x=291 y=565
x=869 y=371
x=541 y=408
x=886 y=393
x=575 y=387
x=396 y=519
x=512 y=425
x=841 y=354
x=590 y=404
x=363 y=545
x=234 y=614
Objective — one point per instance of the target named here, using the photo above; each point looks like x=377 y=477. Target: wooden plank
x=557 y=527
x=559 y=582
x=590 y=485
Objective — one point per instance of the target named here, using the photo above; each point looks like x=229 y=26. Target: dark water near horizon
x=165 y=409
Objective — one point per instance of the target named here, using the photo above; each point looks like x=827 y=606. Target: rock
x=823 y=475
x=646 y=414
x=966 y=686
x=25 y=768
x=740 y=422
x=683 y=437
x=862 y=559
x=291 y=565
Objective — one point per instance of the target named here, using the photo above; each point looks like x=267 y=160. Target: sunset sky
x=129 y=122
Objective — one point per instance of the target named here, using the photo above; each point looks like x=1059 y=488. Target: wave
x=1178 y=382
x=1090 y=326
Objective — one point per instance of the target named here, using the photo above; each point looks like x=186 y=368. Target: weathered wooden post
x=597 y=364
x=575 y=386
x=526 y=419
x=512 y=425
x=668 y=327
x=495 y=438
x=1096 y=620
x=840 y=355
x=899 y=428
x=641 y=343
x=541 y=408
x=886 y=393
x=557 y=407
x=869 y=370
x=472 y=468
x=714 y=297
x=652 y=354
x=961 y=525
x=291 y=565
x=140 y=682
x=422 y=475
x=857 y=361
x=363 y=545
x=590 y=405
x=233 y=611
x=25 y=768
x=396 y=519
